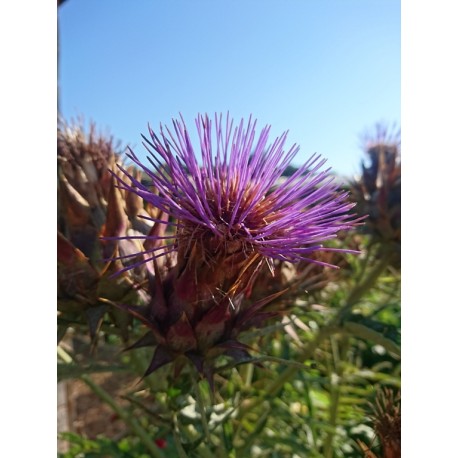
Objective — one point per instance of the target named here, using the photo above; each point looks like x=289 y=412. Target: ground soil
x=89 y=416
x=86 y=414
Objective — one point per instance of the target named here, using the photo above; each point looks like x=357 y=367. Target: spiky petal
x=229 y=203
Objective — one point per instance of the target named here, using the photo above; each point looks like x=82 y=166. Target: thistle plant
x=223 y=218
x=90 y=205
x=387 y=422
x=377 y=192
x=386 y=418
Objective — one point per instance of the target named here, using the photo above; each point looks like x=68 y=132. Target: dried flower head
x=386 y=417
x=387 y=421
x=89 y=204
x=377 y=192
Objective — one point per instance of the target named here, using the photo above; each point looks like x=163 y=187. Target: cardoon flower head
x=377 y=191
x=230 y=211
x=233 y=202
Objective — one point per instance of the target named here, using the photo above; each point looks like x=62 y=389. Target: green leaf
x=363 y=332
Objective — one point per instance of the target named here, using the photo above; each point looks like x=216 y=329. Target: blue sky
x=326 y=70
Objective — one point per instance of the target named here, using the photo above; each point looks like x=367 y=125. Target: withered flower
x=89 y=204
x=377 y=192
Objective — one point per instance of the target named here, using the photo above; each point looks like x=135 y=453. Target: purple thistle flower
x=232 y=201
x=229 y=212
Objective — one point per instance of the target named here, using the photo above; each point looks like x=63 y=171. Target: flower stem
x=333 y=408
x=201 y=407
x=334 y=397
x=176 y=438
x=365 y=285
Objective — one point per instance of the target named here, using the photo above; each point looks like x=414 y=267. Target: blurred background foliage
x=324 y=381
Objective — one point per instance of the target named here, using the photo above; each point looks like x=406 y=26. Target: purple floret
x=231 y=196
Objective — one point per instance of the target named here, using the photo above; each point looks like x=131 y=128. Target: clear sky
x=326 y=70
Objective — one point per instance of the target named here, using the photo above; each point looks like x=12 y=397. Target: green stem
x=362 y=288
x=181 y=451
x=334 y=398
x=333 y=409
x=65 y=371
x=247 y=370
x=311 y=408
x=201 y=407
